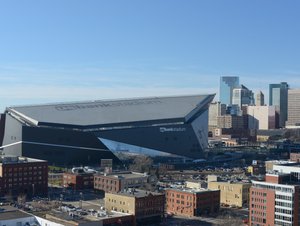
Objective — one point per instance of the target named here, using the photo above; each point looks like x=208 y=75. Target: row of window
x=105 y=187
x=257 y=193
x=258 y=213
x=179 y=196
x=283 y=204
x=23 y=174
x=258 y=200
x=284 y=197
x=276 y=187
x=258 y=206
x=283 y=223
x=22 y=184
x=105 y=180
x=15 y=169
x=278 y=210
x=24 y=179
x=280 y=217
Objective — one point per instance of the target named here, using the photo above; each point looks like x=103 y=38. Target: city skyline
x=55 y=52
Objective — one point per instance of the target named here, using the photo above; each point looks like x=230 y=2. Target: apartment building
x=234 y=194
x=147 y=207
x=274 y=201
x=192 y=202
x=79 y=178
x=116 y=182
x=21 y=175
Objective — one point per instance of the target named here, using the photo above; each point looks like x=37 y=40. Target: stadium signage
x=164 y=129
x=71 y=107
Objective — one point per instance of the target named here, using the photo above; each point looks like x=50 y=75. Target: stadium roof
x=105 y=112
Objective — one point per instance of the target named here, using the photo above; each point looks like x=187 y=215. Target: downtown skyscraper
x=227 y=84
x=278 y=96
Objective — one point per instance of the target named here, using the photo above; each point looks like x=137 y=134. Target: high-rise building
x=242 y=96
x=231 y=122
x=227 y=84
x=215 y=109
x=278 y=96
x=261 y=117
x=260 y=99
x=293 y=108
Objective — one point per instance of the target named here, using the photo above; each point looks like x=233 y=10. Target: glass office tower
x=278 y=96
x=227 y=83
x=242 y=96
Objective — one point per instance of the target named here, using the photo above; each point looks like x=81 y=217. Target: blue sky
x=58 y=50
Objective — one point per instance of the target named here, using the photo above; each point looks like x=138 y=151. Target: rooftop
x=191 y=190
x=6 y=159
x=137 y=193
x=106 y=112
x=70 y=218
x=290 y=164
x=126 y=175
x=230 y=182
x=13 y=214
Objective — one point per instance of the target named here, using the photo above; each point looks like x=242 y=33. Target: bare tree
x=141 y=163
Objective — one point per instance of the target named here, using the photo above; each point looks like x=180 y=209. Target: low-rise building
x=232 y=193
x=17 y=217
x=11 y=216
x=55 y=179
x=295 y=157
x=79 y=179
x=193 y=184
x=256 y=170
x=116 y=182
x=192 y=202
x=93 y=218
x=147 y=207
x=21 y=175
x=269 y=164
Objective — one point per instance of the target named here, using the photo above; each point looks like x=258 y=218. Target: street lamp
x=80 y=201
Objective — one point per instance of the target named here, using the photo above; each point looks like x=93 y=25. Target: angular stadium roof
x=107 y=112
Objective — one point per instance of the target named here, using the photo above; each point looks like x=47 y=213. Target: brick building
x=274 y=201
x=190 y=202
x=147 y=207
x=116 y=182
x=78 y=179
x=21 y=175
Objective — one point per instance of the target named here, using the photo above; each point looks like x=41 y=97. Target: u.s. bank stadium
x=86 y=132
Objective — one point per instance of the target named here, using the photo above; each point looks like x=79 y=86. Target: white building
x=215 y=109
x=260 y=99
x=20 y=218
x=261 y=117
x=293 y=108
x=242 y=96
